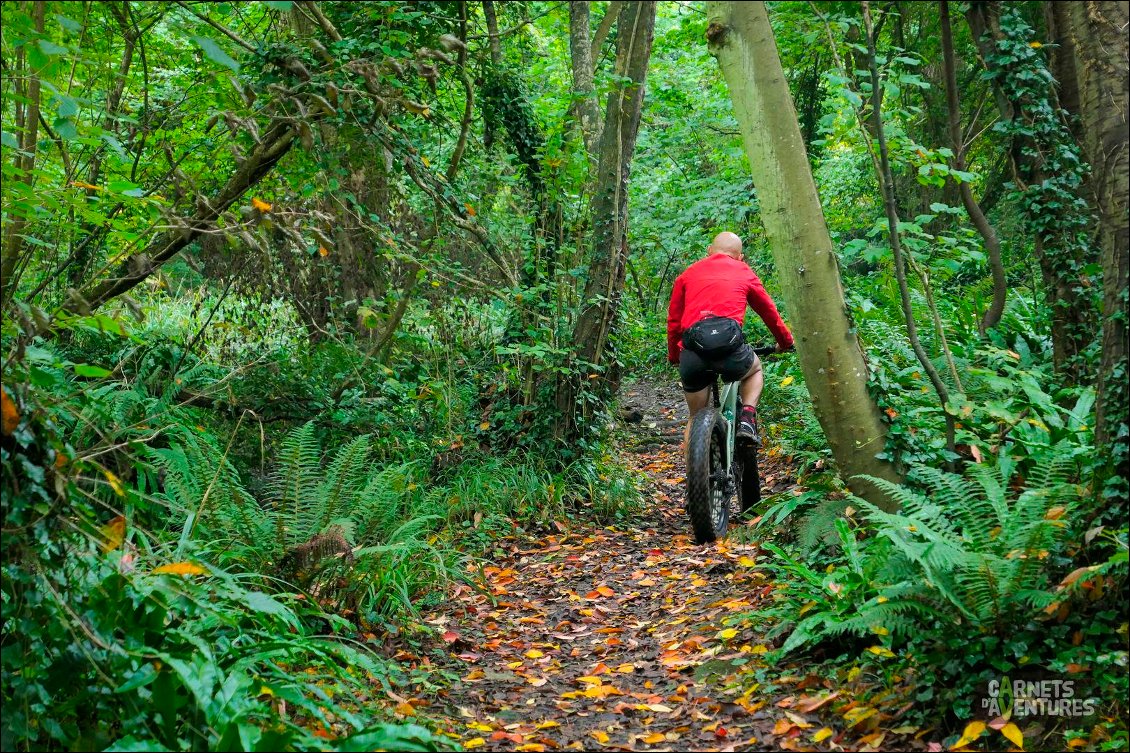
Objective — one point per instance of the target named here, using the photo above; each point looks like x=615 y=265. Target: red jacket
x=719 y=285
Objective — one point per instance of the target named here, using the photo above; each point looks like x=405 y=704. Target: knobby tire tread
x=705 y=429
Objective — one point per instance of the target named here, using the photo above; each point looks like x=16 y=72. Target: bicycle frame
x=727 y=403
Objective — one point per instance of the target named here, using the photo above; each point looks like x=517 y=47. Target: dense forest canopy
x=336 y=411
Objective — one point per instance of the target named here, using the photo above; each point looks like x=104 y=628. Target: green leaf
x=260 y=602
x=9 y=139
x=50 y=48
x=68 y=23
x=86 y=370
x=279 y=5
x=65 y=129
x=215 y=53
x=126 y=188
x=67 y=107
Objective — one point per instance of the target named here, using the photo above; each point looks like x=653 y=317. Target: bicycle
x=716 y=467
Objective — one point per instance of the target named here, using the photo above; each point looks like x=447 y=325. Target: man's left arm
x=675 y=320
x=760 y=302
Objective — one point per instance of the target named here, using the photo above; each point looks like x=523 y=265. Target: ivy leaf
x=215 y=53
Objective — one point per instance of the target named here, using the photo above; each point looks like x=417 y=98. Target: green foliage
x=104 y=650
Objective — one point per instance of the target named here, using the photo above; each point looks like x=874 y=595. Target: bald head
x=726 y=243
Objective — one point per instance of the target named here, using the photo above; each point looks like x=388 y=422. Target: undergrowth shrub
x=119 y=638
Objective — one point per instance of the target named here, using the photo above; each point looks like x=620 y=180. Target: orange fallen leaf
x=783 y=727
x=261 y=205
x=9 y=414
x=113 y=532
x=654 y=737
x=180 y=568
x=513 y=737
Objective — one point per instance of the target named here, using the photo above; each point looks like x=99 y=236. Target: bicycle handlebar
x=769 y=350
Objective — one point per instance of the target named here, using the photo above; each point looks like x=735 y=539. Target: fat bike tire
x=708 y=504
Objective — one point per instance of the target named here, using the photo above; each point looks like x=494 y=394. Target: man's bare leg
x=752 y=384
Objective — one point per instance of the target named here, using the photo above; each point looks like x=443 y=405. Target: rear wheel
x=747 y=477
x=708 y=500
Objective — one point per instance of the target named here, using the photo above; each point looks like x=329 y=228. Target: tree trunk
x=605 y=281
x=11 y=255
x=1046 y=171
x=988 y=233
x=834 y=367
x=1098 y=33
x=584 y=88
x=492 y=33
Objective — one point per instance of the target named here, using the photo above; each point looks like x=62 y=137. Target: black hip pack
x=713 y=338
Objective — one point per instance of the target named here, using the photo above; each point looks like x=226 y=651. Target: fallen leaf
x=1014 y=735
x=261 y=205
x=180 y=568
x=9 y=414
x=783 y=727
x=809 y=704
x=600 y=736
x=113 y=533
x=972 y=731
x=822 y=735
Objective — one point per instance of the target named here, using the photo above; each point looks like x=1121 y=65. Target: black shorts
x=697 y=373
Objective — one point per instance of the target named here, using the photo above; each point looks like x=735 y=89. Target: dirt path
x=612 y=637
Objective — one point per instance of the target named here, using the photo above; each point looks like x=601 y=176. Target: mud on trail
x=617 y=637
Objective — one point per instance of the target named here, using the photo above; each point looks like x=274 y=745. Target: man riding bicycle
x=704 y=330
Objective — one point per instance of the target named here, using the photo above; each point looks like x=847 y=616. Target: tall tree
x=988 y=233
x=1097 y=33
x=584 y=89
x=608 y=262
x=27 y=125
x=833 y=363
x=1048 y=171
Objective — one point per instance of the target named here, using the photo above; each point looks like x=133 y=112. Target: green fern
x=980 y=547
x=306 y=503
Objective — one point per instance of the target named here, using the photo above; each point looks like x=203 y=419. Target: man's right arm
x=675 y=319
x=760 y=302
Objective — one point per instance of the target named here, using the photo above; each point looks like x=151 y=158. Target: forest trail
x=615 y=637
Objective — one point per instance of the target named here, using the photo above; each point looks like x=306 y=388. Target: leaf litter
x=626 y=637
